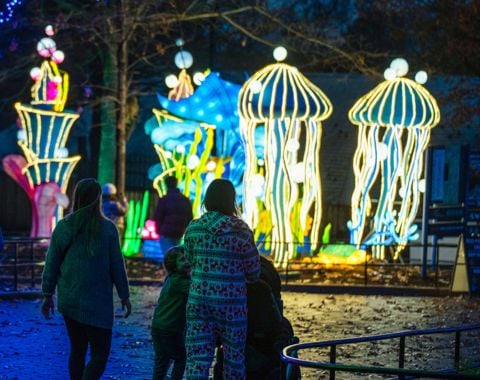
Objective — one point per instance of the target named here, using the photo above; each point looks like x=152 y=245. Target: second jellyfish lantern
x=280 y=120
x=394 y=122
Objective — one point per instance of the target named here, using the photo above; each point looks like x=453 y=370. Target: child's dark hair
x=170 y=259
x=220 y=196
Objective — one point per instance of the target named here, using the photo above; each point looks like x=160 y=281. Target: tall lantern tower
x=45 y=167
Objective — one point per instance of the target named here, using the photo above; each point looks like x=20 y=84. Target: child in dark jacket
x=168 y=324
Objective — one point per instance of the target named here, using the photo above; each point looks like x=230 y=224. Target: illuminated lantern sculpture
x=45 y=169
x=181 y=87
x=196 y=134
x=394 y=122
x=213 y=105
x=280 y=118
x=183 y=148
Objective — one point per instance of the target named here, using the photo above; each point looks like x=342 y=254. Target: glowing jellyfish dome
x=280 y=119
x=394 y=122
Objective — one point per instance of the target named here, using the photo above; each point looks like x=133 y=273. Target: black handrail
x=367 y=264
x=16 y=242
x=290 y=355
x=16 y=263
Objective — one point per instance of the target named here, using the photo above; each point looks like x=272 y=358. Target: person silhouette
x=224 y=257
x=172 y=215
x=114 y=206
x=168 y=322
x=84 y=262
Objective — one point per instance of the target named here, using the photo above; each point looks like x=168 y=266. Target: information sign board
x=447 y=213
x=472 y=259
x=473 y=186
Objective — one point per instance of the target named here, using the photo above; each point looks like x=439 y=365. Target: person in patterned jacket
x=224 y=257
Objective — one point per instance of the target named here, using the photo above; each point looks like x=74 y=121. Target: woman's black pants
x=81 y=337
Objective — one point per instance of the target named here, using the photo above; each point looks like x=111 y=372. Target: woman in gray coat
x=84 y=262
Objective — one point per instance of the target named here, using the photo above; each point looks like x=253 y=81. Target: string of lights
x=7 y=13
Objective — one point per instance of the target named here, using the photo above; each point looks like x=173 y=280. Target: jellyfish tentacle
x=312 y=183
x=412 y=172
x=290 y=158
x=277 y=189
x=250 y=203
x=356 y=223
x=366 y=168
x=389 y=168
x=406 y=177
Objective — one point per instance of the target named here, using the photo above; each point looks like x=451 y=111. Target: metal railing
x=22 y=254
x=290 y=356
x=21 y=261
x=438 y=269
x=296 y=271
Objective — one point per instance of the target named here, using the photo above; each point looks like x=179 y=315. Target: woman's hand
x=47 y=306
x=126 y=304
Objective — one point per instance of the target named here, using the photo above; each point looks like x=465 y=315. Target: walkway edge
x=295 y=288
x=367 y=290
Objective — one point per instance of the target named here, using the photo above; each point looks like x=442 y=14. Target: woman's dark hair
x=87 y=212
x=220 y=196
x=88 y=192
x=170 y=259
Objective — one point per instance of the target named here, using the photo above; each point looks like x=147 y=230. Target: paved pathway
x=32 y=348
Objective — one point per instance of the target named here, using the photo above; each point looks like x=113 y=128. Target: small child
x=168 y=324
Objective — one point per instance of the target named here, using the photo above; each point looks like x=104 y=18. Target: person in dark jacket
x=269 y=274
x=172 y=215
x=168 y=324
x=84 y=263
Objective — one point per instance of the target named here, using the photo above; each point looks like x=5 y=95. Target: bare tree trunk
x=107 y=151
x=122 y=99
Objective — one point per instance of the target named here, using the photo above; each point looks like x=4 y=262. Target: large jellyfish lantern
x=394 y=122
x=282 y=181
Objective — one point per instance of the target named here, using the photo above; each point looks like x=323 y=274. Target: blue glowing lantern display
x=210 y=114
x=214 y=102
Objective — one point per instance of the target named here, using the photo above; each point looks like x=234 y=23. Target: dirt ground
x=324 y=317
x=32 y=348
